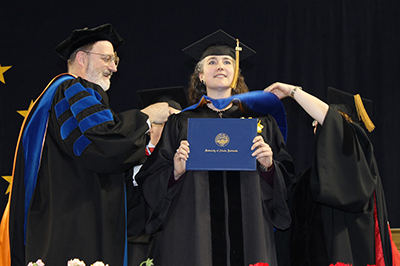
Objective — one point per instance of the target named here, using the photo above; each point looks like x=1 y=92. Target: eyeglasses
x=107 y=58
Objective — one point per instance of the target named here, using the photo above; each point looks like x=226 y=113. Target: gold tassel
x=362 y=113
x=236 y=74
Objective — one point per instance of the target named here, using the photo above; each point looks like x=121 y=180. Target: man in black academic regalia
x=68 y=190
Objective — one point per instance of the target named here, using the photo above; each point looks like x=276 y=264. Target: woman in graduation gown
x=215 y=217
x=338 y=205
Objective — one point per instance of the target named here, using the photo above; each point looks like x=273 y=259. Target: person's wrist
x=293 y=92
x=177 y=175
x=264 y=168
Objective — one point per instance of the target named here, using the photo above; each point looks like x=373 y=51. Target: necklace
x=219 y=112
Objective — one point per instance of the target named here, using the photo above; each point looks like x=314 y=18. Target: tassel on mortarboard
x=362 y=113
x=236 y=73
x=355 y=107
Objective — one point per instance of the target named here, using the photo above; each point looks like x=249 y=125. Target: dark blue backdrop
x=350 y=45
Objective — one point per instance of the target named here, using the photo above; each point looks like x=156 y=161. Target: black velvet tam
x=81 y=37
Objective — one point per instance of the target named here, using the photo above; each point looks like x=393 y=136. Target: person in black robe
x=139 y=243
x=68 y=197
x=216 y=217
x=338 y=204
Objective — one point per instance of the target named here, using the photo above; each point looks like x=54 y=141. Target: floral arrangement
x=37 y=263
x=74 y=262
x=148 y=262
x=344 y=264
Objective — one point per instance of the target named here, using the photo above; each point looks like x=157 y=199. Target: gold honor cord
x=236 y=74
x=362 y=113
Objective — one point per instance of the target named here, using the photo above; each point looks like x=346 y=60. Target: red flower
x=259 y=264
x=341 y=264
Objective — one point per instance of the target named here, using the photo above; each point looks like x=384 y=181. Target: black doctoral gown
x=214 y=217
x=78 y=207
x=335 y=202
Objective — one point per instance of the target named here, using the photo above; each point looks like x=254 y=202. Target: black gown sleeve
x=90 y=132
x=341 y=176
x=275 y=199
x=157 y=170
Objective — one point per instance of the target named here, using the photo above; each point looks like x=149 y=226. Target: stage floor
x=396 y=237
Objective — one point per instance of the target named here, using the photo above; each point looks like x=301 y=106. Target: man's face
x=99 y=68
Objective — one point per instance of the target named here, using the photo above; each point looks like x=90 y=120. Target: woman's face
x=217 y=72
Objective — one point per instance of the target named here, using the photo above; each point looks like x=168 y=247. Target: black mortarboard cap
x=174 y=96
x=81 y=37
x=354 y=106
x=217 y=43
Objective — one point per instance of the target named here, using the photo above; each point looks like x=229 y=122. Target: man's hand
x=158 y=112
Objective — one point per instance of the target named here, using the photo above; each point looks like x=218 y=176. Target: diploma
x=221 y=144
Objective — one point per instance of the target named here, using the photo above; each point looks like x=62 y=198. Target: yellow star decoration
x=8 y=179
x=2 y=70
x=25 y=112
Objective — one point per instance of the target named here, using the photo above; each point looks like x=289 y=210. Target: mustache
x=107 y=73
